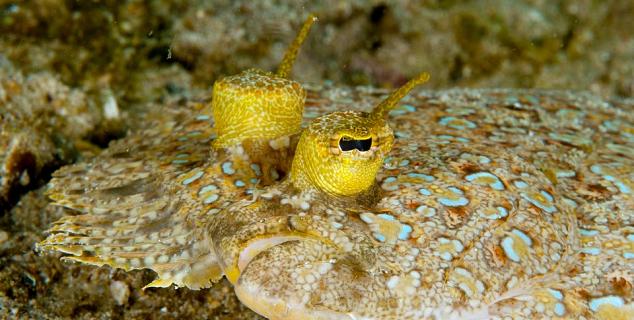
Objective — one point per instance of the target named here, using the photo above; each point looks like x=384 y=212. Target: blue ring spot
x=193 y=178
x=406 y=230
x=591 y=251
x=613 y=300
x=212 y=198
x=227 y=168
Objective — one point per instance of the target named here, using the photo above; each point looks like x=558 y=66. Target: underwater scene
x=268 y=159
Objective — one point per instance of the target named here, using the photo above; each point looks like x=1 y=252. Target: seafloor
x=77 y=74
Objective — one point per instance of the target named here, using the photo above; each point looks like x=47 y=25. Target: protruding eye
x=347 y=144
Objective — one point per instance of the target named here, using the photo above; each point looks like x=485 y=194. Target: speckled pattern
x=270 y=106
x=491 y=203
x=146 y=199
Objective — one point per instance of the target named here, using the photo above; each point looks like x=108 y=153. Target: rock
x=3 y=236
x=42 y=121
x=120 y=292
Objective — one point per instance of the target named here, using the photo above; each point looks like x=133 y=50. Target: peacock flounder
x=469 y=204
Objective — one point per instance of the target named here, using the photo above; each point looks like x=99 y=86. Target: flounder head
x=341 y=153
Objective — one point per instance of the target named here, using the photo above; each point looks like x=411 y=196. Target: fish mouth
x=250 y=294
x=288 y=274
x=255 y=247
x=257 y=298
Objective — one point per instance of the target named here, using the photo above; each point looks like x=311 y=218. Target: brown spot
x=424 y=150
x=522 y=112
x=550 y=174
x=411 y=204
x=456 y=216
x=622 y=286
x=517 y=170
x=467 y=168
x=582 y=292
x=594 y=192
x=495 y=255
x=392 y=302
x=573 y=271
x=19 y=162
x=121 y=154
x=417 y=164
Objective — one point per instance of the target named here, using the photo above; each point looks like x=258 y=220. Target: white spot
x=392 y=282
x=324 y=267
x=120 y=292
x=135 y=262
x=426 y=211
x=110 y=107
x=211 y=199
x=465 y=288
x=486 y=178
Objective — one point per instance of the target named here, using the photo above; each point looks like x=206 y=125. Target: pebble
x=4 y=236
x=120 y=292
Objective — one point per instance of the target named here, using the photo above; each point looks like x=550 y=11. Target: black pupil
x=347 y=144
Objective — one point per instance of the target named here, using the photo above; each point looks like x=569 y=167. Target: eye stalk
x=381 y=111
x=340 y=153
x=256 y=104
x=285 y=68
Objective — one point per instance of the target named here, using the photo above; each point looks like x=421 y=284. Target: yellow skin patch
x=257 y=104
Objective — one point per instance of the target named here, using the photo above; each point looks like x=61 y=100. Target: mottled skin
x=517 y=204
x=511 y=195
x=144 y=201
x=490 y=204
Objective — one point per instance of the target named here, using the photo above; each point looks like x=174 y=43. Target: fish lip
x=261 y=244
x=237 y=261
x=250 y=294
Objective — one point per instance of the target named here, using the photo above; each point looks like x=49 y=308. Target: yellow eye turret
x=341 y=153
x=256 y=104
